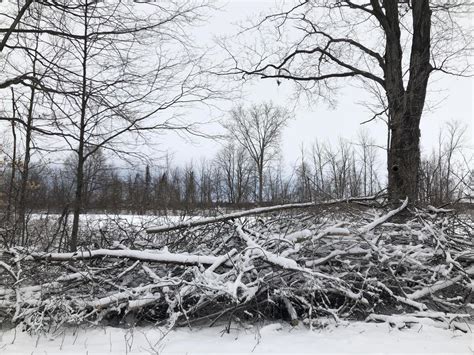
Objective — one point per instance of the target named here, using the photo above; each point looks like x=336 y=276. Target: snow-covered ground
x=132 y=219
x=357 y=337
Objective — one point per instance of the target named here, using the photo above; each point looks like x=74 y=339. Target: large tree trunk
x=406 y=106
x=404 y=158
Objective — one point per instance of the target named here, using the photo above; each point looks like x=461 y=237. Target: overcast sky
x=319 y=121
x=452 y=97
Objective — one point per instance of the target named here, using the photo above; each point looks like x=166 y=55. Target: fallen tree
x=158 y=257
x=253 y=212
x=294 y=263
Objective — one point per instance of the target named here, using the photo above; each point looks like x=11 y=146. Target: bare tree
x=189 y=188
x=444 y=175
x=233 y=161
x=15 y=20
x=319 y=164
x=94 y=170
x=258 y=130
x=303 y=180
x=27 y=109
x=205 y=182
x=125 y=69
x=395 y=45
x=339 y=163
x=367 y=160
x=278 y=187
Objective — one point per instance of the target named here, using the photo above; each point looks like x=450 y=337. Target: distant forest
x=231 y=179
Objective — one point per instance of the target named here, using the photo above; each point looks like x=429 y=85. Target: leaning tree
x=394 y=47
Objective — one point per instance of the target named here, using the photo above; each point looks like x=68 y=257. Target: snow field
x=356 y=337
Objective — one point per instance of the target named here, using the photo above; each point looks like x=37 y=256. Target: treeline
x=231 y=179
x=447 y=173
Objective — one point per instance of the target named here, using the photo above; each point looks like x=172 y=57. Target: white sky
x=319 y=122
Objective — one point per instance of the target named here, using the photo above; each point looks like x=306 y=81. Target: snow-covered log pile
x=302 y=263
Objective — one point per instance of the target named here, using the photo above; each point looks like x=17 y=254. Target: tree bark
x=80 y=151
x=11 y=187
x=25 y=176
x=260 y=184
x=406 y=106
x=77 y=200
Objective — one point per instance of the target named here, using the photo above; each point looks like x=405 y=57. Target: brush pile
x=305 y=263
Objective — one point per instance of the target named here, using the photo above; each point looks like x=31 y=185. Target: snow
x=270 y=328
x=356 y=337
x=383 y=218
x=432 y=289
x=337 y=231
x=295 y=236
x=201 y=221
x=285 y=263
x=439 y=210
x=335 y=253
x=163 y=256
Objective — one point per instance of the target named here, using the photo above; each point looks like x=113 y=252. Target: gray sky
x=452 y=95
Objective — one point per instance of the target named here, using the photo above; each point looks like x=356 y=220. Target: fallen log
x=434 y=288
x=159 y=257
x=252 y=212
x=383 y=218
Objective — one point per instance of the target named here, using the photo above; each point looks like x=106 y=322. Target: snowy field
x=96 y=219
x=357 y=337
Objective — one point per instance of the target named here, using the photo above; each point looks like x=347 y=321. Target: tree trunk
x=404 y=158
x=77 y=203
x=406 y=106
x=80 y=152
x=11 y=187
x=260 y=184
x=26 y=171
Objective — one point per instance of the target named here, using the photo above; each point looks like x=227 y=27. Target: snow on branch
x=434 y=319
x=300 y=263
x=158 y=257
x=434 y=288
x=383 y=218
